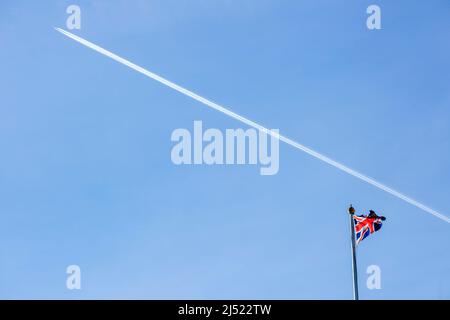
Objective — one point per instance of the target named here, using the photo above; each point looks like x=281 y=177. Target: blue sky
x=85 y=170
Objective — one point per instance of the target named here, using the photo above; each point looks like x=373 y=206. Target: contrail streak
x=255 y=125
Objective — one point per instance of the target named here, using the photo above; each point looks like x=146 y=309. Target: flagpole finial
x=351 y=210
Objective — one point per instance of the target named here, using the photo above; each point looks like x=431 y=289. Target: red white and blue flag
x=366 y=225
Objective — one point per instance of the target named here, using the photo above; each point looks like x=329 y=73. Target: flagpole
x=351 y=212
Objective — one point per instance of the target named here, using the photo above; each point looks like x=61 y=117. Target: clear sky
x=86 y=176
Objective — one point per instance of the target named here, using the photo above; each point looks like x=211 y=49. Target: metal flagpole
x=351 y=212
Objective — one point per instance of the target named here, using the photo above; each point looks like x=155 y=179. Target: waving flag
x=366 y=225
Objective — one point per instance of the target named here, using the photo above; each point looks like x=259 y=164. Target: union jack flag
x=366 y=225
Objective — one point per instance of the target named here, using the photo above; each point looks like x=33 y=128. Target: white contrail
x=255 y=125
